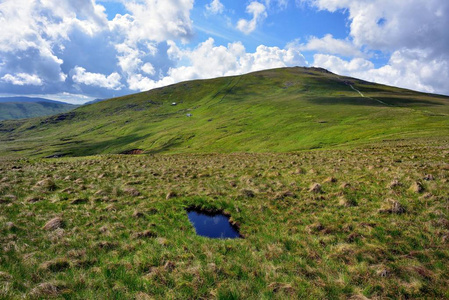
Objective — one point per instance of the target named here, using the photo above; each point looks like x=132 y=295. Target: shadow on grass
x=344 y=101
x=408 y=101
x=391 y=101
x=119 y=145
x=85 y=148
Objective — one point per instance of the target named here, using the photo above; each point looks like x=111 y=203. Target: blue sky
x=76 y=51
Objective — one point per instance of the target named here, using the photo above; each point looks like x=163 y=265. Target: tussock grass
x=362 y=222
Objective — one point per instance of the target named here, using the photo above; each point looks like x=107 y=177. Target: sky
x=79 y=50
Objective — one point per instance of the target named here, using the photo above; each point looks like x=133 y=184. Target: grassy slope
x=277 y=110
x=21 y=110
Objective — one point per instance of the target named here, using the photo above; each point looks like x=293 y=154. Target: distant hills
x=28 y=107
x=28 y=99
x=279 y=110
x=94 y=101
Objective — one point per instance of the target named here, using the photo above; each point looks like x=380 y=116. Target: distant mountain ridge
x=94 y=101
x=30 y=107
x=28 y=99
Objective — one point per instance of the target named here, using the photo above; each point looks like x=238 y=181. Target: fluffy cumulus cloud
x=407 y=68
x=389 y=25
x=109 y=82
x=22 y=79
x=329 y=45
x=156 y=20
x=413 y=32
x=340 y=66
x=259 y=12
x=33 y=35
x=208 y=60
x=49 y=45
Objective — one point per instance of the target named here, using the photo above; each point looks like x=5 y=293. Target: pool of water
x=212 y=225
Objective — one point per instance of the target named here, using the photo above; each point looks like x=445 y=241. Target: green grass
x=126 y=240
x=278 y=110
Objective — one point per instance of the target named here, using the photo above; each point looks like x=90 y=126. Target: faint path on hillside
x=363 y=96
x=227 y=90
x=352 y=87
x=230 y=90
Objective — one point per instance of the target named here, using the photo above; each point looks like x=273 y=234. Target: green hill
x=276 y=110
x=23 y=109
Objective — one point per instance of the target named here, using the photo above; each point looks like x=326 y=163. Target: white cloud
x=148 y=68
x=406 y=68
x=109 y=82
x=209 y=61
x=258 y=10
x=22 y=79
x=52 y=38
x=413 y=33
x=215 y=7
x=40 y=24
x=150 y=24
x=391 y=25
x=33 y=36
x=271 y=57
x=156 y=20
x=414 y=69
x=137 y=82
x=129 y=58
x=329 y=45
x=342 y=67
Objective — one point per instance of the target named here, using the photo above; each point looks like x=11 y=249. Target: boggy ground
x=352 y=223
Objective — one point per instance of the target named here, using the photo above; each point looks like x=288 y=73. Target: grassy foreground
x=376 y=226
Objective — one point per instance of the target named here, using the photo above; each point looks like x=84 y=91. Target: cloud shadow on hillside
x=359 y=101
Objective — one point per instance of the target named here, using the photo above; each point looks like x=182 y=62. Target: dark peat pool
x=212 y=225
